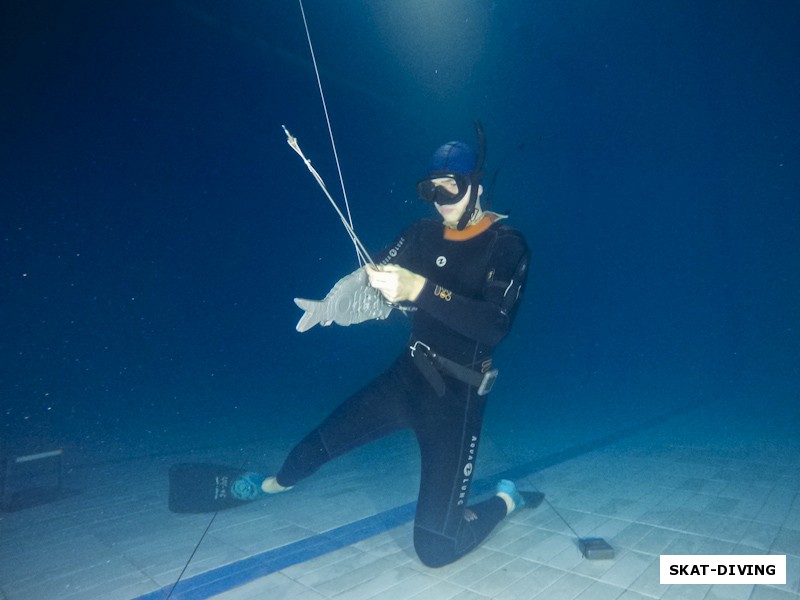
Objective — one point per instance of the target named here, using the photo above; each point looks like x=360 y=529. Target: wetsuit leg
x=376 y=410
x=448 y=433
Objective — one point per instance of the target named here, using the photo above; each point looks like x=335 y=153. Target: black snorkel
x=474 y=178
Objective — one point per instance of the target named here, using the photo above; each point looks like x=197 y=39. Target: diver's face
x=451 y=213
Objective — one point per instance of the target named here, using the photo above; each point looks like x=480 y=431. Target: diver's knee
x=434 y=550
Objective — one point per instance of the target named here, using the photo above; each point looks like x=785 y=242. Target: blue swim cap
x=453 y=157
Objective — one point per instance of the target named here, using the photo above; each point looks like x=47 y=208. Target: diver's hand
x=395 y=283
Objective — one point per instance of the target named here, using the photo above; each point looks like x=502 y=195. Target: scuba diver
x=464 y=274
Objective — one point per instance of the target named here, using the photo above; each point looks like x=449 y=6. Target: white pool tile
x=769 y=593
x=317 y=577
x=760 y=535
x=627 y=568
x=732 y=529
x=648 y=583
x=94 y=580
x=631 y=595
x=331 y=560
x=441 y=590
x=385 y=579
x=569 y=587
x=489 y=563
x=631 y=535
x=498 y=580
x=685 y=592
x=787 y=541
x=541 y=549
x=657 y=541
x=414 y=585
x=600 y=591
x=658 y=492
x=359 y=577
x=506 y=533
x=470 y=595
x=729 y=592
x=274 y=586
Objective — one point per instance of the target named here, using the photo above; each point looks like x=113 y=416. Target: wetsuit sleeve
x=486 y=319
x=395 y=253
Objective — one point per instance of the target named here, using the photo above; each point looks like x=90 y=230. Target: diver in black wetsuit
x=465 y=277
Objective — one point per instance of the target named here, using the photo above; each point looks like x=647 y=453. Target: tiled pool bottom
x=689 y=484
x=662 y=491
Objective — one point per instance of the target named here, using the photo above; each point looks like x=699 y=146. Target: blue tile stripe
x=243 y=571
x=249 y=569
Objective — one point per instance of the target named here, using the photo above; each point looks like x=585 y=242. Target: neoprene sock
x=510 y=495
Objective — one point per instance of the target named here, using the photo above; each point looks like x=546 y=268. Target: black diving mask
x=443 y=188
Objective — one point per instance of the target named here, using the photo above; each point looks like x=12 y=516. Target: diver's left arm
x=486 y=319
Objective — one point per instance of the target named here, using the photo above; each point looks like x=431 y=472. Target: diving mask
x=443 y=188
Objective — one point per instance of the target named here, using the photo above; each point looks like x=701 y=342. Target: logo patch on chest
x=443 y=293
x=441 y=261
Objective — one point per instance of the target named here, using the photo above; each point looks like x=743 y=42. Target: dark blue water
x=156 y=226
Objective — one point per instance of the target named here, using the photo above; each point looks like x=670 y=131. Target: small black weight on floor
x=596 y=549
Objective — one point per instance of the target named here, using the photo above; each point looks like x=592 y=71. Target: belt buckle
x=426 y=351
x=488 y=382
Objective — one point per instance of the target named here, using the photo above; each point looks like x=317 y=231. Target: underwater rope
x=361 y=251
x=191 y=556
x=348 y=223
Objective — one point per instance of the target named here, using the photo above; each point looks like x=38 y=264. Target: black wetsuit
x=466 y=307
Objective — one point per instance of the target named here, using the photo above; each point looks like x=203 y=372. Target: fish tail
x=310 y=317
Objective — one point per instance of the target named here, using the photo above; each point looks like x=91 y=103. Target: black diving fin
x=204 y=487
